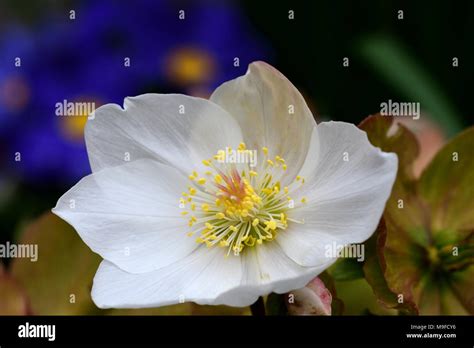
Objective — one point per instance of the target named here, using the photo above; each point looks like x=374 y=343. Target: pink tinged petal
x=262 y=102
x=313 y=299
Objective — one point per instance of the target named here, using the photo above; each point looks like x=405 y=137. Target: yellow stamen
x=242 y=207
x=271 y=224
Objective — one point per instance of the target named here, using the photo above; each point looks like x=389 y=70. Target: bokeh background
x=82 y=59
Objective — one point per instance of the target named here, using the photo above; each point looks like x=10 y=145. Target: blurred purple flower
x=84 y=59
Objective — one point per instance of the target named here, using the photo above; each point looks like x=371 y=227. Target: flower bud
x=313 y=299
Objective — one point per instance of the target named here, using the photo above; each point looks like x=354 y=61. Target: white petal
x=266 y=269
x=151 y=126
x=261 y=101
x=202 y=277
x=310 y=246
x=130 y=215
x=312 y=158
x=345 y=198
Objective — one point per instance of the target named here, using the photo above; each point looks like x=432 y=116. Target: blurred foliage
x=405 y=145
x=392 y=61
x=64 y=269
x=60 y=281
x=375 y=277
x=383 y=51
x=359 y=299
x=12 y=299
x=346 y=269
x=425 y=244
x=167 y=55
x=276 y=304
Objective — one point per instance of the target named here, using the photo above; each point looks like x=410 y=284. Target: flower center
x=232 y=205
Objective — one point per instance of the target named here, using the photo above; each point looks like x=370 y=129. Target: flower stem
x=258 y=308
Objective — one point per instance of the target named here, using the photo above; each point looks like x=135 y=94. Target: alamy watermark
x=230 y=155
x=67 y=108
x=28 y=330
x=393 y=108
x=22 y=251
x=356 y=251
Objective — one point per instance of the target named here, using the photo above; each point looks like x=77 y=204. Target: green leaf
x=276 y=304
x=359 y=298
x=403 y=208
x=63 y=272
x=374 y=274
x=462 y=285
x=424 y=220
x=393 y=137
x=393 y=255
x=447 y=185
x=346 y=269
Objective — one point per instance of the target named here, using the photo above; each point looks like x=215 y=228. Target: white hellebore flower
x=176 y=218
